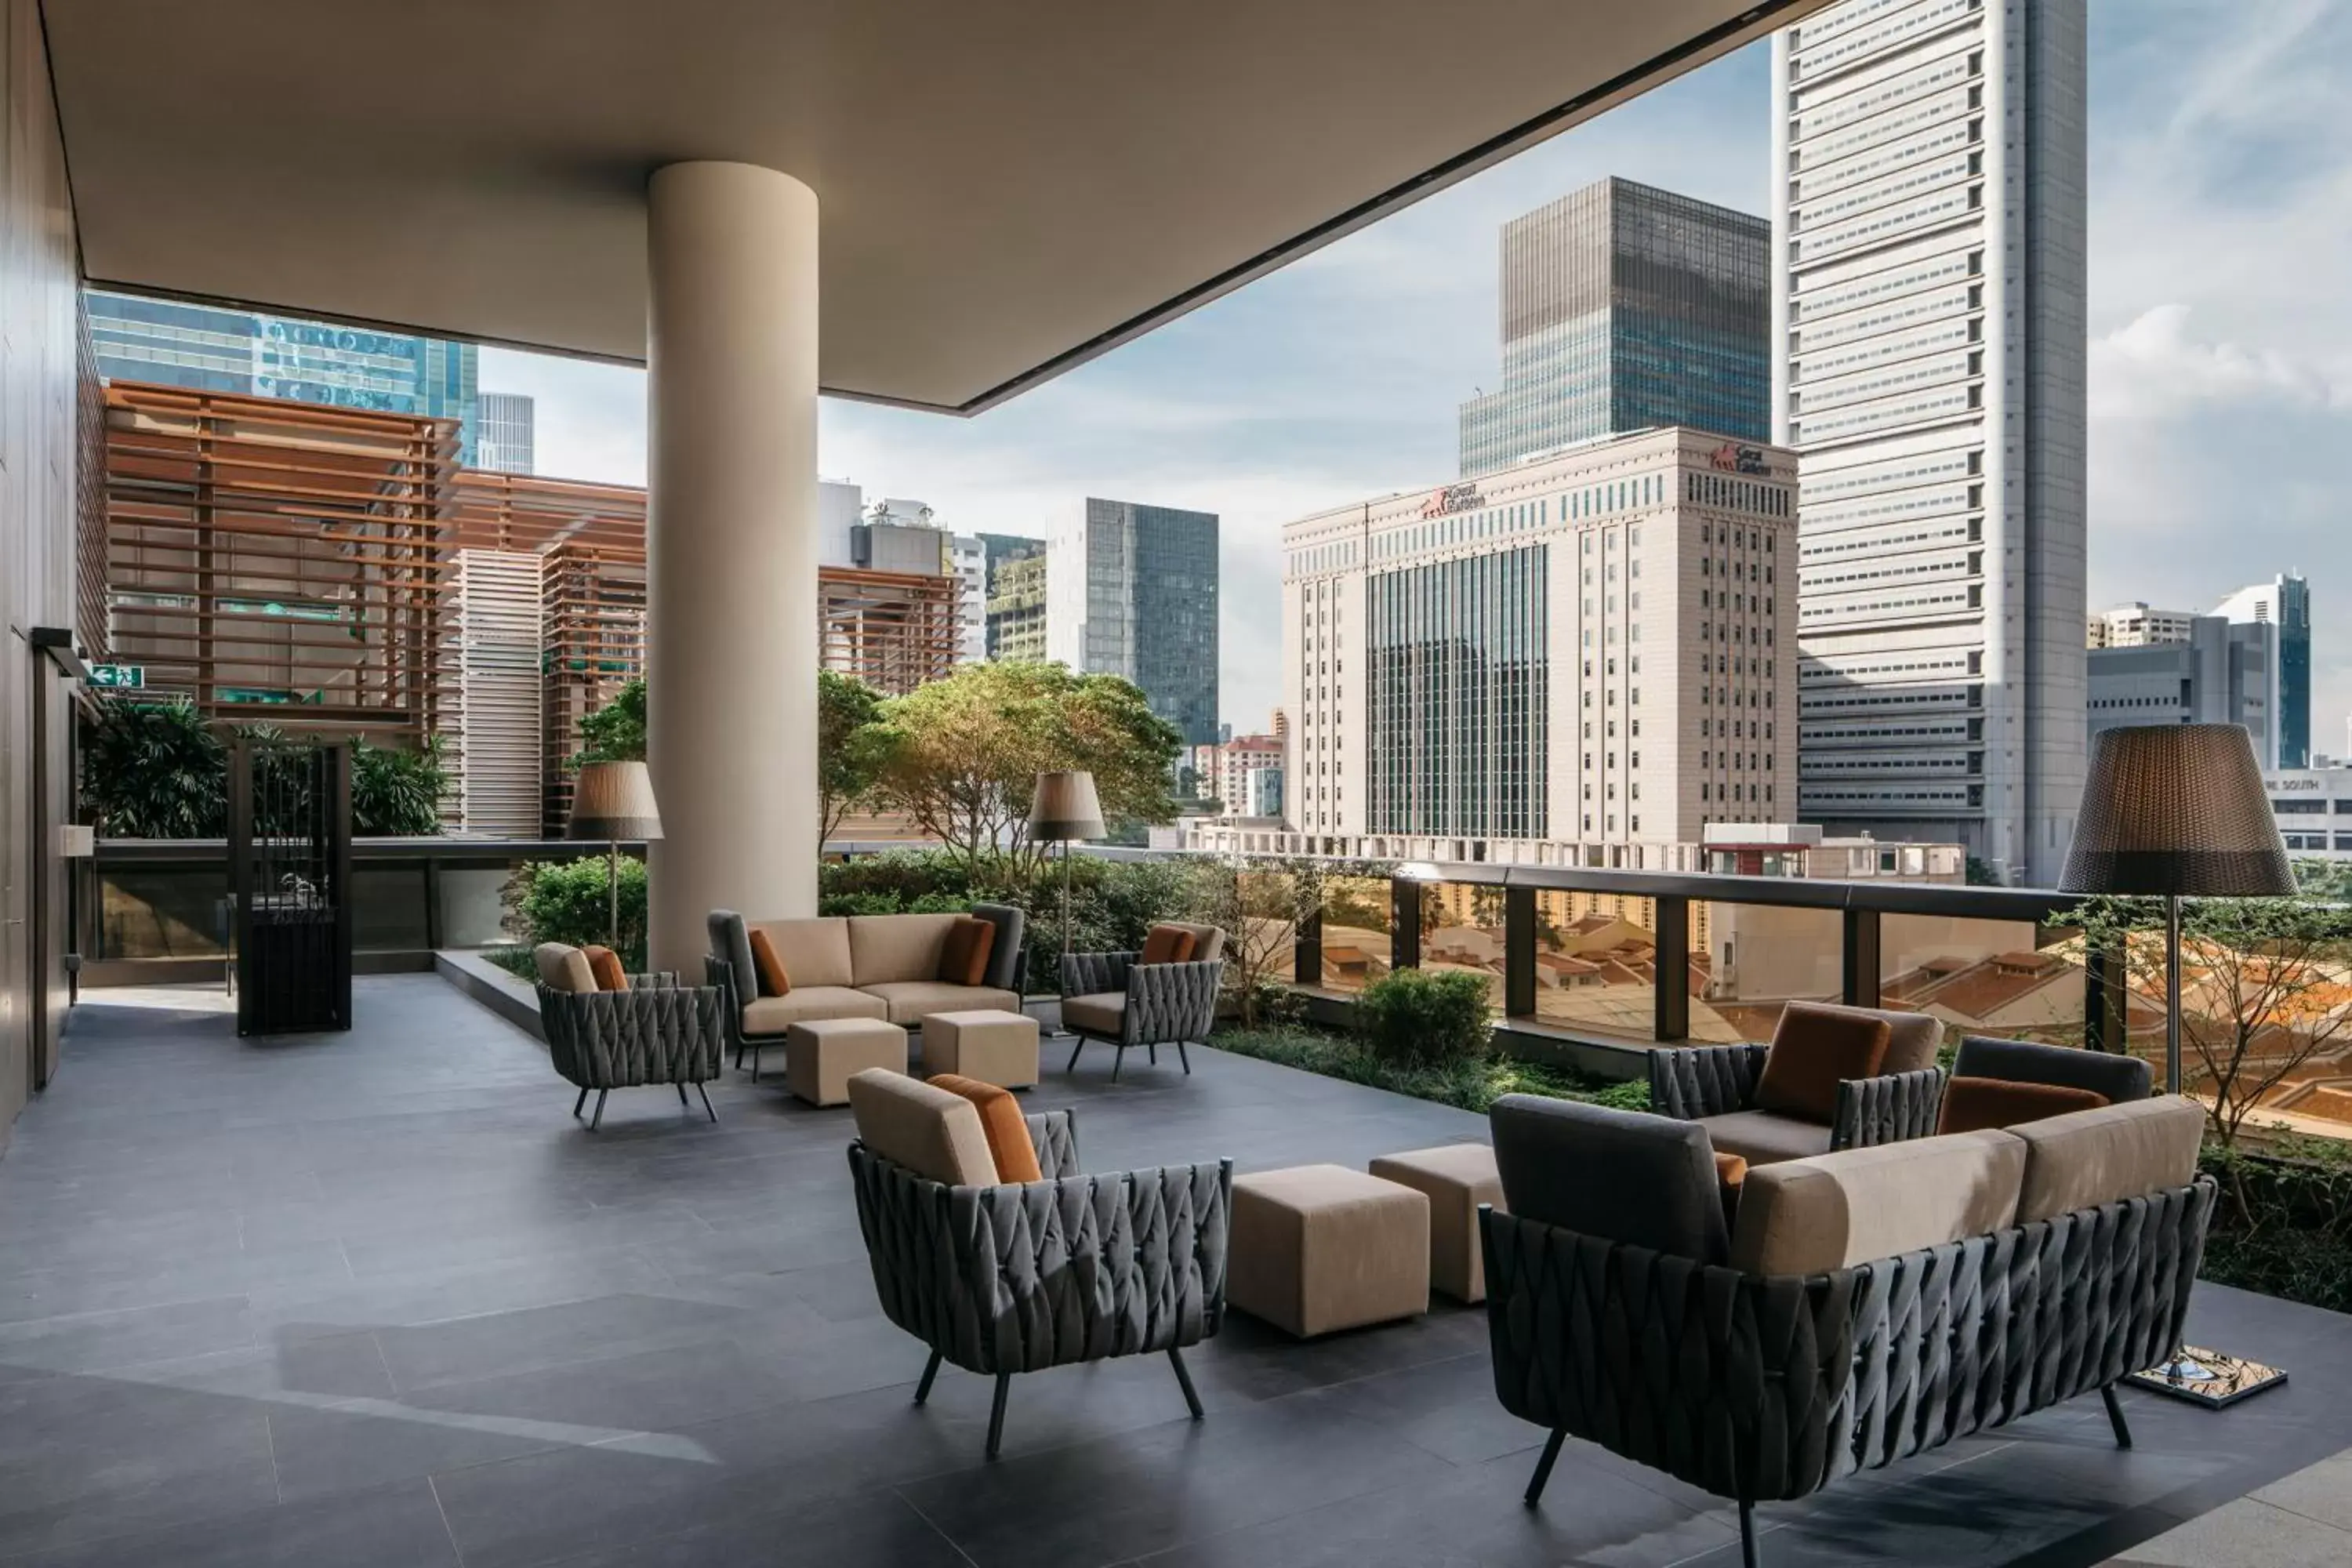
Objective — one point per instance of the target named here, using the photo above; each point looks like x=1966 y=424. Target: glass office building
x=1131 y=590
x=1625 y=307
x=508 y=439
x=218 y=348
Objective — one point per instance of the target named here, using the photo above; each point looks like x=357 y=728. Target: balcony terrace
x=373 y=1299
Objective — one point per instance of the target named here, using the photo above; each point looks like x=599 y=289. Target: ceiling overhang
x=1005 y=191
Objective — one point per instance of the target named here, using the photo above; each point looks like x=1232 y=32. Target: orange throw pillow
x=964 y=959
x=1812 y=1050
x=1731 y=1170
x=1166 y=945
x=773 y=981
x=1000 y=1118
x=1974 y=1104
x=605 y=966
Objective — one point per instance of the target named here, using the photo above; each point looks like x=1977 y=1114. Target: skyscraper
x=1927 y=213
x=508 y=437
x=1131 y=590
x=2285 y=602
x=215 y=348
x=1626 y=307
x=2210 y=672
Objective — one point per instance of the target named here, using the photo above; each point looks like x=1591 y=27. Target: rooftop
x=374 y=1299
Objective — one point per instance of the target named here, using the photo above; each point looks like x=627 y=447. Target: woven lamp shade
x=2178 y=809
x=614 y=802
x=1064 y=807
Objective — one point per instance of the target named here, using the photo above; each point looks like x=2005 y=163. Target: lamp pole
x=2172 y=1084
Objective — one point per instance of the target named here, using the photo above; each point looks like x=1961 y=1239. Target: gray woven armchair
x=1717 y=1085
x=1015 y=1278
x=1123 y=1002
x=1765 y=1358
x=656 y=1032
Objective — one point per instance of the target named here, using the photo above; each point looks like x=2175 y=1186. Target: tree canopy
x=616 y=732
x=964 y=753
x=853 y=748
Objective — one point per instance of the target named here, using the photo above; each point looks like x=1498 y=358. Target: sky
x=2221 y=351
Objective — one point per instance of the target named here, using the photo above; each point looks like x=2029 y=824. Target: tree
x=853 y=748
x=1259 y=904
x=397 y=794
x=2263 y=989
x=616 y=732
x=964 y=753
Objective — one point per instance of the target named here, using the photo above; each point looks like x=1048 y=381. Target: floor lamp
x=2175 y=811
x=614 y=802
x=1063 y=809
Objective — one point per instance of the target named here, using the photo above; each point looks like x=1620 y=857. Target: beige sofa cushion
x=909 y=1000
x=815 y=952
x=1762 y=1137
x=773 y=1014
x=1098 y=1013
x=930 y=1131
x=1831 y=1211
x=886 y=947
x=562 y=967
x=2086 y=1158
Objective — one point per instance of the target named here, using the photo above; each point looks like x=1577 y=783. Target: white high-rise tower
x=1927 y=213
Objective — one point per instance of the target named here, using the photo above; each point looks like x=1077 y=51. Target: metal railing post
x=1671 y=1021
x=1404 y=923
x=1518 y=953
x=1859 y=958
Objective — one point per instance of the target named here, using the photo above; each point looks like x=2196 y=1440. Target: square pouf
x=989 y=1043
x=1321 y=1247
x=821 y=1054
x=1456 y=1178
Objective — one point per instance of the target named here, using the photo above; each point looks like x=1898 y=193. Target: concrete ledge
x=506 y=995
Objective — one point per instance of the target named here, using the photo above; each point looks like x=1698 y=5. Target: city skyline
x=2220 y=388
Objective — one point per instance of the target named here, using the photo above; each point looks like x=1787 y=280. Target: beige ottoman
x=820 y=1054
x=1323 y=1247
x=989 y=1043
x=1456 y=1178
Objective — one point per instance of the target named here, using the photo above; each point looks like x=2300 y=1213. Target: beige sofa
x=860 y=966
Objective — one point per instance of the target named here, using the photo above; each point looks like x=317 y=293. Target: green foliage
x=2326 y=880
x=965 y=752
x=853 y=748
x=616 y=732
x=2284 y=1224
x=397 y=794
x=159 y=770
x=1416 y=1016
x=570 y=901
x=1980 y=873
x=1469 y=1084
x=154 y=770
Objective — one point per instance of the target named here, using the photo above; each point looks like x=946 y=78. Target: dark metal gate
x=289 y=845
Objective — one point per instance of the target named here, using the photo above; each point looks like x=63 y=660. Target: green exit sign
x=119 y=676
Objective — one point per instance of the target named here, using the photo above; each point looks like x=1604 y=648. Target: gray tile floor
x=377 y=1299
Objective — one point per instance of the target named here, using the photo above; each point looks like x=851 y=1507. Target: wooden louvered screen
x=497 y=758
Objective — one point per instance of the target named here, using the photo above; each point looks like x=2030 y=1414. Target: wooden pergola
x=278 y=562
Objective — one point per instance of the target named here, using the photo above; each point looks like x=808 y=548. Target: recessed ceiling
x=1007 y=189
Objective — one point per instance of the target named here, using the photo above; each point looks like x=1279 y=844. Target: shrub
x=154 y=770
x=1470 y=1084
x=2283 y=1223
x=1426 y=1016
x=397 y=794
x=568 y=901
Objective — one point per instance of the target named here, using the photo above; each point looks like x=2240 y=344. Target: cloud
x=2153 y=366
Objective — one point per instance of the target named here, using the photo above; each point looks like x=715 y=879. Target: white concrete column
x=730 y=393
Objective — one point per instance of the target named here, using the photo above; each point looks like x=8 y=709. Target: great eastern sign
x=1733 y=457
x=1452 y=498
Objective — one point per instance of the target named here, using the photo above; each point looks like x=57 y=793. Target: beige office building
x=1593 y=648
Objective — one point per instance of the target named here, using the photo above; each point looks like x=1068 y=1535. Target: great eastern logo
x=1452 y=498
x=1733 y=457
